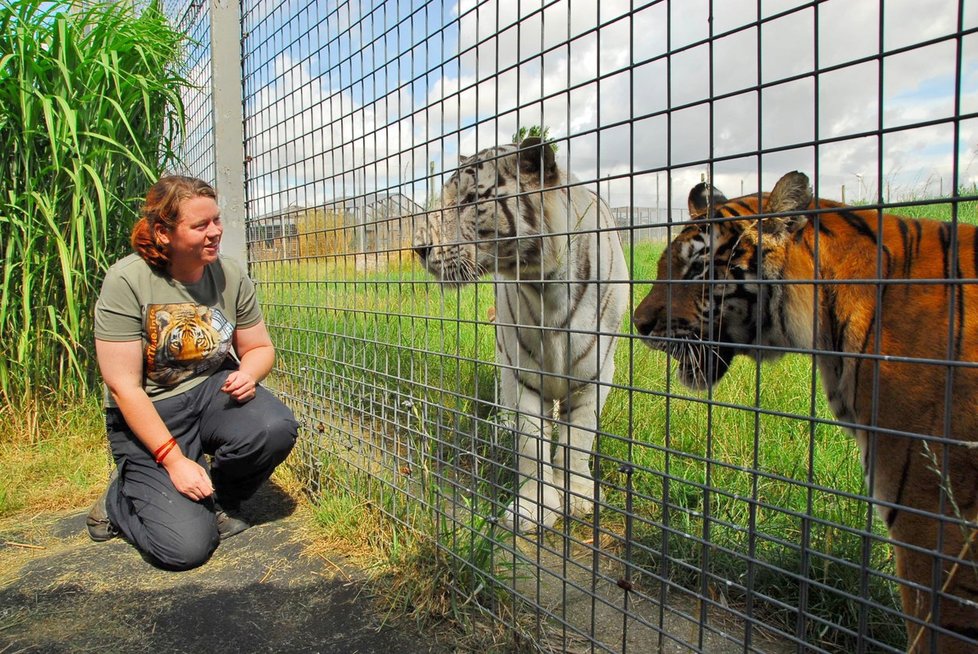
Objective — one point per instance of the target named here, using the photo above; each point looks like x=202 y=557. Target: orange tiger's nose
x=647 y=320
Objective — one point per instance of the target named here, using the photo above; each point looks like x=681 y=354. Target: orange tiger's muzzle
x=698 y=349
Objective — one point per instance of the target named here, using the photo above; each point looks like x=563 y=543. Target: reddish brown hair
x=162 y=207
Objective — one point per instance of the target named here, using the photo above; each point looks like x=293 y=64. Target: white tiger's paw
x=525 y=515
x=581 y=506
x=581 y=496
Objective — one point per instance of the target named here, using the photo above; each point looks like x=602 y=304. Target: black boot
x=100 y=528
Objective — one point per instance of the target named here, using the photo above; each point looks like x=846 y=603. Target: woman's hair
x=162 y=207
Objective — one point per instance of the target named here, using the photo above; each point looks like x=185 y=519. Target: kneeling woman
x=182 y=346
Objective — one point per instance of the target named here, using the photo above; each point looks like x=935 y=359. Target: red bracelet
x=166 y=450
x=156 y=454
x=163 y=450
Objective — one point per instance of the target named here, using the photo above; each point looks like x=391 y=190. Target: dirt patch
x=260 y=592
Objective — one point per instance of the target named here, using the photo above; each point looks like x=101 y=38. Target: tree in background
x=90 y=110
x=533 y=130
x=322 y=233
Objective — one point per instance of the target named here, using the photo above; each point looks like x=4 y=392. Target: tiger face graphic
x=184 y=340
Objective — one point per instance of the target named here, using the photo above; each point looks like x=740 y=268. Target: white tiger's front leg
x=574 y=447
x=537 y=503
x=579 y=413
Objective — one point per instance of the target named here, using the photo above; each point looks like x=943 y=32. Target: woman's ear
x=160 y=235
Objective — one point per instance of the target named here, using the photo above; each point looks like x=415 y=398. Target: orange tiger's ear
x=700 y=197
x=791 y=193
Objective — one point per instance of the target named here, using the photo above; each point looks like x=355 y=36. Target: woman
x=182 y=346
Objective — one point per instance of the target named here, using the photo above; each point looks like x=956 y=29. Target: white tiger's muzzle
x=453 y=263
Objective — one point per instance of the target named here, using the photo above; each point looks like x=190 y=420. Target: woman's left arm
x=257 y=355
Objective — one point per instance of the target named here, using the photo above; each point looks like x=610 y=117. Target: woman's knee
x=281 y=436
x=279 y=428
x=185 y=546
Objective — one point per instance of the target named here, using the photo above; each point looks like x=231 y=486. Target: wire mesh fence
x=197 y=153
x=452 y=302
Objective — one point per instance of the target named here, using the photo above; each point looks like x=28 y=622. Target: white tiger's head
x=492 y=214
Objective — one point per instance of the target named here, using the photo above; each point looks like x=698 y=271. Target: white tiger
x=561 y=292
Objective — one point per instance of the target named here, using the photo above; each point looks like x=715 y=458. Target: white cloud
x=434 y=110
x=313 y=144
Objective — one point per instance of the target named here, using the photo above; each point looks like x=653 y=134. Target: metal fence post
x=229 y=124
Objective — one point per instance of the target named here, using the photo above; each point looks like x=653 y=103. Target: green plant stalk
x=90 y=110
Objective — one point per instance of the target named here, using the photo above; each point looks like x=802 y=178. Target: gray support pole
x=229 y=125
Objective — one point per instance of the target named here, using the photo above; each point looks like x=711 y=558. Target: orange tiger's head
x=706 y=304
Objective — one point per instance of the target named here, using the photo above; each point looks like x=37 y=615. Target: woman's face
x=195 y=240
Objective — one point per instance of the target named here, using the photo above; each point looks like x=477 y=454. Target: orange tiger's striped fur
x=920 y=461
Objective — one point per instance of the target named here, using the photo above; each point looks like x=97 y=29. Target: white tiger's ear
x=791 y=193
x=536 y=159
x=700 y=197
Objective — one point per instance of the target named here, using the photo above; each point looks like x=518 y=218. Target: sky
x=349 y=98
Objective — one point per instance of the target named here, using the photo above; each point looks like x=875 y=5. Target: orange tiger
x=921 y=464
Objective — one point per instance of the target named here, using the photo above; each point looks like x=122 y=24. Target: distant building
x=274 y=235
x=381 y=221
x=376 y=222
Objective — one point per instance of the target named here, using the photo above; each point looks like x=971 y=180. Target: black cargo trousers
x=246 y=441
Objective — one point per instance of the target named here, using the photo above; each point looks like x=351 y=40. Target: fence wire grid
x=733 y=519
x=197 y=150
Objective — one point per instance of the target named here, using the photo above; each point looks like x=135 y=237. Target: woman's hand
x=240 y=386
x=257 y=356
x=121 y=364
x=188 y=477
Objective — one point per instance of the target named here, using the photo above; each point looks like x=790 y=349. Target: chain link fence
x=193 y=19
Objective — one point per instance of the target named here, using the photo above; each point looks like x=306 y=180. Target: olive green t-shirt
x=185 y=329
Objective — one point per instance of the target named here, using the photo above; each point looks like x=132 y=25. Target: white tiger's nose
x=422 y=243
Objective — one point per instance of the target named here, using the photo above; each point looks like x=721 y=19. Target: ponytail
x=144 y=244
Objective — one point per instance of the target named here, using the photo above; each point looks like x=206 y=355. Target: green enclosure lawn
x=746 y=481
x=707 y=469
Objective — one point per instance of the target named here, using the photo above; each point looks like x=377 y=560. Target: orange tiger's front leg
x=919 y=535
x=957 y=615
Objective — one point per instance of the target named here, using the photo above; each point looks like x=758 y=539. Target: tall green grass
x=743 y=494
x=90 y=108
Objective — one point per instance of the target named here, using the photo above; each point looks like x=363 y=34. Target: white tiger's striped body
x=561 y=293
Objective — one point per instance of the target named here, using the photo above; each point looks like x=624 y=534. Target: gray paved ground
x=259 y=593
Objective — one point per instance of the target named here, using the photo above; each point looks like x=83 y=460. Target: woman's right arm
x=121 y=364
